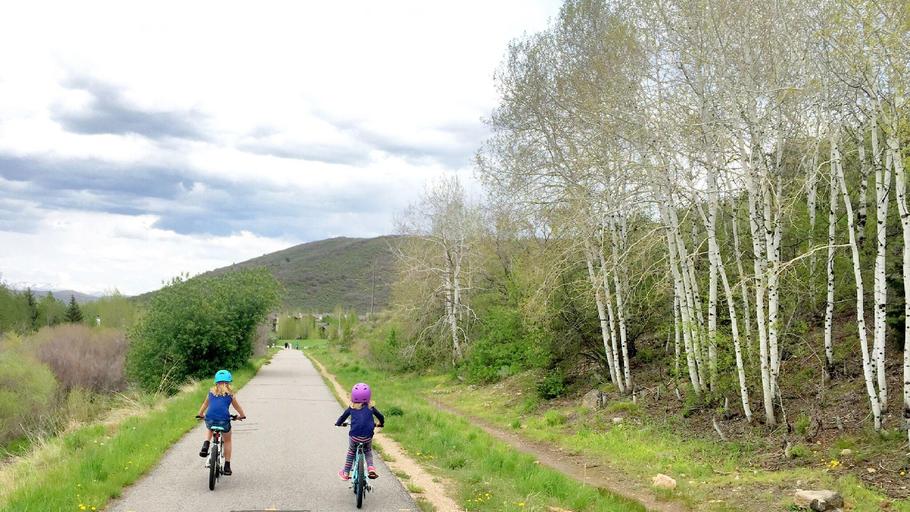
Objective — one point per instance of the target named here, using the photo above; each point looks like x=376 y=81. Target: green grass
x=489 y=474
x=705 y=470
x=85 y=468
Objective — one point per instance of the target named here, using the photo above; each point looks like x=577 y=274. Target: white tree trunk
x=744 y=287
x=900 y=179
x=861 y=210
x=829 y=304
x=717 y=263
x=611 y=317
x=620 y=309
x=676 y=331
x=882 y=189
x=713 y=262
x=759 y=263
x=858 y=276
x=683 y=301
x=601 y=314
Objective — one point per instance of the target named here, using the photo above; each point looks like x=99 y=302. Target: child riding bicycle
x=217 y=414
x=361 y=413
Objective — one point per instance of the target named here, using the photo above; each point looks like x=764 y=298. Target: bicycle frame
x=359 y=483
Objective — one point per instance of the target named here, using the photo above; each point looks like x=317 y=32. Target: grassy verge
x=83 y=469
x=490 y=475
x=712 y=475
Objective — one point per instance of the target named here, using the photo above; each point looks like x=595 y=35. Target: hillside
x=64 y=295
x=339 y=271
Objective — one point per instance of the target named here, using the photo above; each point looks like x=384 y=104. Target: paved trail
x=287 y=455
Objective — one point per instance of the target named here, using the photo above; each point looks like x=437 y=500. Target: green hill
x=339 y=271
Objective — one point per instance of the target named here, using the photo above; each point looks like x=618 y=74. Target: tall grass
x=89 y=466
x=491 y=476
x=27 y=392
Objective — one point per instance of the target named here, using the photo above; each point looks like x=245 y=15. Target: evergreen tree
x=73 y=313
x=32 y=308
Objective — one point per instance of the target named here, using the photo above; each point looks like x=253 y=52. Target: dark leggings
x=352 y=450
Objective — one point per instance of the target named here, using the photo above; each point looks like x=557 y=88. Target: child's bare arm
x=236 y=405
x=205 y=405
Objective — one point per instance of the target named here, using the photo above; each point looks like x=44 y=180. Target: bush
x=554 y=418
x=115 y=311
x=197 y=326
x=803 y=422
x=505 y=348
x=27 y=393
x=552 y=386
x=83 y=357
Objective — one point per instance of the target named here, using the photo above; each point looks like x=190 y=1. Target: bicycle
x=215 y=461
x=359 y=483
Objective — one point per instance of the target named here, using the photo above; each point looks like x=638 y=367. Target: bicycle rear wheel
x=213 y=466
x=360 y=486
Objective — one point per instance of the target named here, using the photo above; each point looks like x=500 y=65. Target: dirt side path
x=586 y=471
x=434 y=488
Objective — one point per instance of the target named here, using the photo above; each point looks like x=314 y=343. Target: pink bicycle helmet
x=360 y=393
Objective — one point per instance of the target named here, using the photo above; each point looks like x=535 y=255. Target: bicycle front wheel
x=213 y=466
x=361 y=484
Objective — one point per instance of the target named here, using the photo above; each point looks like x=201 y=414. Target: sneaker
x=204 y=452
x=344 y=475
x=371 y=472
x=226 y=470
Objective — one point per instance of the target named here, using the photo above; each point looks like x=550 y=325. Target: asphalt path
x=286 y=455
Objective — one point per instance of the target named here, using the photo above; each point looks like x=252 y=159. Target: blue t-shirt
x=219 y=407
x=362 y=423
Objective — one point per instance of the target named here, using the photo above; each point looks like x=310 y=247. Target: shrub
x=197 y=326
x=554 y=418
x=504 y=348
x=395 y=411
x=552 y=386
x=27 y=393
x=802 y=424
x=799 y=451
x=82 y=357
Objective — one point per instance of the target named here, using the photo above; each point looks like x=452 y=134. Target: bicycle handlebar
x=346 y=424
x=233 y=417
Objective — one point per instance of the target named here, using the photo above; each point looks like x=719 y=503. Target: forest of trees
x=721 y=181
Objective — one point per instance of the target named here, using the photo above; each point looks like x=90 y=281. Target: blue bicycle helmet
x=223 y=376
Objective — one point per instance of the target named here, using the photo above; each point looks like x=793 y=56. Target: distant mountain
x=64 y=295
x=320 y=275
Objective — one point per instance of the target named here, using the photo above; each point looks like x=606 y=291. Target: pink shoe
x=371 y=473
x=344 y=475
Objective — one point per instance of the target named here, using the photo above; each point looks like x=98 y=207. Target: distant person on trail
x=361 y=413
x=216 y=408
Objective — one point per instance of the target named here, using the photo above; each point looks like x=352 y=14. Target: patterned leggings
x=352 y=450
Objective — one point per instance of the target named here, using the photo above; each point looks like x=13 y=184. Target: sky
x=141 y=141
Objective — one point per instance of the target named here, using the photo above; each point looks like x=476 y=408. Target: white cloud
x=349 y=106
x=92 y=252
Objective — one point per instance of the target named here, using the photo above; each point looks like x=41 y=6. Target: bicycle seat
x=216 y=428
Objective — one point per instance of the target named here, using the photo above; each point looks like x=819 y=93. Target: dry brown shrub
x=84 y=357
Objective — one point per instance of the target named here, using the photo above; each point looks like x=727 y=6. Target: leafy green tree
x=115 y=310
x=73 y=313
x=50 y=311
x=195 y=327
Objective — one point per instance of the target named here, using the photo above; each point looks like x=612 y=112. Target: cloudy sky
x=141 y=141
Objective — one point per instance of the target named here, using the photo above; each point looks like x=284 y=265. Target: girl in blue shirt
x=361 y=413
x=217 y=413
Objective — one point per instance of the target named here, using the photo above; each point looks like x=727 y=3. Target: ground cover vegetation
x=679 y=215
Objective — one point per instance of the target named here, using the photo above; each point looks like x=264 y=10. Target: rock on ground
x=593 y=399
x=820 y=501
x=662 y=481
